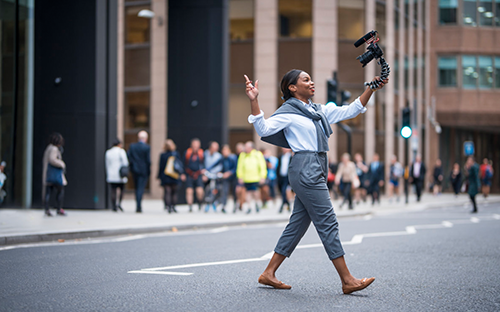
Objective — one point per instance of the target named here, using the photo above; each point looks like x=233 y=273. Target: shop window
x=295 y=18
x=485 y=72
x=448 y=12
x=469 y=13
x=485 y=11
x=137 y=29
x=447 y=71
x=469 y=72
x=497 y=72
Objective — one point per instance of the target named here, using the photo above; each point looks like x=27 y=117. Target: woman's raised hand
x=381 y=85
x=251 y=90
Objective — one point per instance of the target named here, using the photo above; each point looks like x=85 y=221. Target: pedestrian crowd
x=250 y=177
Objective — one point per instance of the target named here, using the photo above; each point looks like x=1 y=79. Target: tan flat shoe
x=266 y=281
x=364 y=283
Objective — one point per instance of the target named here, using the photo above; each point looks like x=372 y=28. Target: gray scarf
x=295 y=106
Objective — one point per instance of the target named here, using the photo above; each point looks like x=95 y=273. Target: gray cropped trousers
x=307 y=174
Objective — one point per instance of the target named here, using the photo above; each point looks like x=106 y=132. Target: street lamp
x=150 y=14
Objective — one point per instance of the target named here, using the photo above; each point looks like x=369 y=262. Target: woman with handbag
x=116 y=172
x=53 y=178
x=169 y=172
x=304 y=127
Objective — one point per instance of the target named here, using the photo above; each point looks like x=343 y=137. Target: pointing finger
x=246 y=78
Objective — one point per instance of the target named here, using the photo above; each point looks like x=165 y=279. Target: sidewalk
x=30 y=225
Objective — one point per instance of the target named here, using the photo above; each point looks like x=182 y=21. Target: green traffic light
x=406 y=132
x=331 y=103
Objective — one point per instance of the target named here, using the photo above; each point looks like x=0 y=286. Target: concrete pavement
x=30 y=225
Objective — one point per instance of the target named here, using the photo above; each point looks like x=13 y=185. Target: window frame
x=457 y=77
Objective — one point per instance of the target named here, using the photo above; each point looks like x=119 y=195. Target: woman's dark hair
x=288 y=79
x=117 y=142
x=56 y=139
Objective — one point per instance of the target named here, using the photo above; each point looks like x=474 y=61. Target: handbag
x=54 y=175
x=124 y=170
x=169 y=168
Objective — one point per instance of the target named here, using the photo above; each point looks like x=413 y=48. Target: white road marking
x=368 y=217
x=496 y=216
x=356 y=239
x=160 y=272
x=219 y=230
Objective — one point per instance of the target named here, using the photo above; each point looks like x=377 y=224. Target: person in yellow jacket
x=252 y=172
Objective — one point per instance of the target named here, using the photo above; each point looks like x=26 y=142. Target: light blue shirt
x=300 y=131
x=210 y=160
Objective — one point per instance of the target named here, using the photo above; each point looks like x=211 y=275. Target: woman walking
x=53 y=178
x=472 y=171
x=456 y=179
x=304 y=127
x=169 y=177
x=116 y=173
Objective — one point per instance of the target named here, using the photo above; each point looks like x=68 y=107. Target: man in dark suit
x=139 y=156
x=375 y=178
x=417 y=175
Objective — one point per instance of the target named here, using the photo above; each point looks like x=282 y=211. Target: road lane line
x=195 y=265
x=220 y=229
x=160 y=272
x=474 y=220
x=447 y=224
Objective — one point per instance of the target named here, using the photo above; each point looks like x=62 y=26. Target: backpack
x=488 y=174
x=189 y=153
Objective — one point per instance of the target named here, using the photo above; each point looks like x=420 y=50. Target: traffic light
x=331 y=93
x=345 y=95
x=406 y=127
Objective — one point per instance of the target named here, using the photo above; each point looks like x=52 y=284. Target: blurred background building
x=96 y=70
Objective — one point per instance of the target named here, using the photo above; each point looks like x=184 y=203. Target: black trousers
x=59 y=195
x=283 y=184
x=346 y=192
x=473 y=200
x=140 y=182
x=418 y=188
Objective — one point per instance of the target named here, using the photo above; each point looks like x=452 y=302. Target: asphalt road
x=434 y=260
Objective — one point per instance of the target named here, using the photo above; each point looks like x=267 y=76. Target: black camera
x=373 y=52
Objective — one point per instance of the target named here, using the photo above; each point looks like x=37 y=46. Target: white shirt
x=116 y=157
x=300 y=131
x=416 y=169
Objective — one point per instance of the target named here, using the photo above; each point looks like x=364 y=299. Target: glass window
x=469 y=75
x=396 y=72
x=485 y=10
x=447 y=71
x=485 y=72
x=497 y=72
x=497 y=12
x=241 y=19
x=137 y=67
x=136 y=110
x=469 y=13
x=295 y=18
x=137 y=29
x=448 y=11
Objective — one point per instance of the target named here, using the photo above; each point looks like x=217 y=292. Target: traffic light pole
x=407 y=172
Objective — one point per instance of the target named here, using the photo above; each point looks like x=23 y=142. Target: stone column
x=401 y=82
x=121 y=71
x=411 y=77
x=370 y=13
x=420 y=86
x=427 y=95
x=325 y=55
x=266 y=58
x=389 y=89
x=158 y=97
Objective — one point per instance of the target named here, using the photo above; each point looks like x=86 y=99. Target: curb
x=50 y=237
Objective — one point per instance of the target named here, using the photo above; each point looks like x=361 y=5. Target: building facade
x=100 y=71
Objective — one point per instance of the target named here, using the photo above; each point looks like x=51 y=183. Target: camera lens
x=365 y=58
